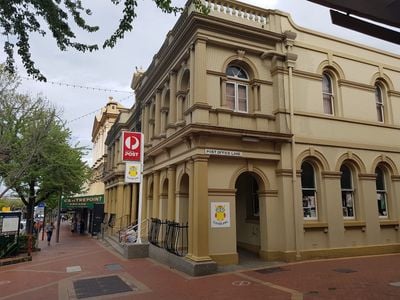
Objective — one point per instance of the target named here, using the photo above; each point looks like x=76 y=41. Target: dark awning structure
x=382 y=11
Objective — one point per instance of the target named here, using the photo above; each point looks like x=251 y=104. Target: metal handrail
x=169 y=235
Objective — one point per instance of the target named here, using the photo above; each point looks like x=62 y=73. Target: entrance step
x=128 y=250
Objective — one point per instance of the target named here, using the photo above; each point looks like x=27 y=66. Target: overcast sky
x=113 y=69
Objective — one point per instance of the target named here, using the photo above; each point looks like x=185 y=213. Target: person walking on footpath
x=49 y=232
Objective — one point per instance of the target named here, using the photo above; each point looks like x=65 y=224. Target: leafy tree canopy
x=37 y=161
x=20 y=18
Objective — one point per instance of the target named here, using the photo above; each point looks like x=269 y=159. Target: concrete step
x=114 y=243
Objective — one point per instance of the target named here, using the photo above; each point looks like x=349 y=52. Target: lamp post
x=58 y=219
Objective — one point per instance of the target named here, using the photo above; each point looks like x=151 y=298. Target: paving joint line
x=295 y=295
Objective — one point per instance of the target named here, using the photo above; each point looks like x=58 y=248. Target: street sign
x=131 y=146
x=82 y=201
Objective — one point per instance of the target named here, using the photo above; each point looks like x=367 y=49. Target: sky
x=71 y=75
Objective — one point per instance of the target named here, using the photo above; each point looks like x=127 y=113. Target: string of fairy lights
x=79 y=86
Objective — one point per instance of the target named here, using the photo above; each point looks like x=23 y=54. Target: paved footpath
x=80 y=267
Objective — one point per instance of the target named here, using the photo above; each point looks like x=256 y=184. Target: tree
x=18 y=115
x=38 y=161
x=20 y=18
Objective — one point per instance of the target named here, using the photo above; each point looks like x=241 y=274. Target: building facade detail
x=304 y=126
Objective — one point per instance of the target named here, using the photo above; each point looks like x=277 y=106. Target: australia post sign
x=131 y=146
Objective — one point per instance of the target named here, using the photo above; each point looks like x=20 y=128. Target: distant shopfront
x=89 y=209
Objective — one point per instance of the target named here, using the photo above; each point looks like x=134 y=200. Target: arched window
x=346 y=185
x=309 y=191
x=327 y=94
x=237 y=88
x=381 y=192
x=380 y=110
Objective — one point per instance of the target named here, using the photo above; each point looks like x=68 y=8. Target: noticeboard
x=9 y=222
x=82 y=201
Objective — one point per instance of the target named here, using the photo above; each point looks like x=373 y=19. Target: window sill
x=389 y=223
x=322 y=226
x=354 y=225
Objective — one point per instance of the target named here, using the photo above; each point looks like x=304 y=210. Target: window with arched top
x=347 y=188
x=237 y=88
x=381 y=192
x=309 y=191
x=380 y=109
x=327 y=94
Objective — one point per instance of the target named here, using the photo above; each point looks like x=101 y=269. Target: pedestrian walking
x=49 y=232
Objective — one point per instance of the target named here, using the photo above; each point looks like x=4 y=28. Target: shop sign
x=222 y=152
x=220 y=214
x=131 y=146
x=82 y=201
x=132 y=172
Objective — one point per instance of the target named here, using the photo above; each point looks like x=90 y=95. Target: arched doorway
x=150 y=201
x=248 y=232
x=164 y=200
x=182 y=213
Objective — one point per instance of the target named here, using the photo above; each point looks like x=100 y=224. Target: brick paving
x=46 y=276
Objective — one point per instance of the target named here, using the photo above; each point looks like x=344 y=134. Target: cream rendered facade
x=295 y=131
x=101 y=126
x=121 y=199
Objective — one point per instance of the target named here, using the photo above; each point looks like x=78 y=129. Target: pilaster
x=198 y=207
x=156 y=194
x=171 y=193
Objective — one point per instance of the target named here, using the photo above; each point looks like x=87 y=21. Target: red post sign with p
x=131 y=146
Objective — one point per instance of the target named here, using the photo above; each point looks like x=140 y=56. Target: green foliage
x=14 y=204
x=38 y=161
x=23 y=242
x=20 y=18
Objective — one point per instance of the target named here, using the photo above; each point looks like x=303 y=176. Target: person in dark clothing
x=81 y=227
x=49 y=232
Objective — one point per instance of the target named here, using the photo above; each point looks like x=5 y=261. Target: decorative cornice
x=366 y=176
x=395 y=177
x=348 y=83
x=286 y=172
x=221 y=192
x=331 y=174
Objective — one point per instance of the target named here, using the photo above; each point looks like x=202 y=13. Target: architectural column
x=156 y=194
x=163 y=121
x=333 y=209
x=223 y=91
x=119 y=205
x=172 y=96
x=198 y=210
x=256 y=97
x=192 y=77
x=127 y=205
x=144 y=197
x=106 y=200
x=179 y=110
x=199 y=72
x=145 y=123
x=157 y=116
x=368 y=196
x=395 y=199
x=171 y=193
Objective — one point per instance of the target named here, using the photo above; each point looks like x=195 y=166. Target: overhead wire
x=79 y=86
x=95 y=111
x=71 y=85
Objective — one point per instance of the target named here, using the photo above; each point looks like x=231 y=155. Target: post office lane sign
x=220 y=215
x=131 y=146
